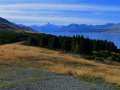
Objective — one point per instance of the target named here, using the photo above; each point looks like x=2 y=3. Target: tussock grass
x=56 y=61
x=61 y=69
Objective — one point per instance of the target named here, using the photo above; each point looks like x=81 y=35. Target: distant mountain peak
x=49 y=24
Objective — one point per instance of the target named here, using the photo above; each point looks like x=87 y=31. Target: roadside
x=37 y=79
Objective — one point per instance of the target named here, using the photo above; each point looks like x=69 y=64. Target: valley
x=31 y=60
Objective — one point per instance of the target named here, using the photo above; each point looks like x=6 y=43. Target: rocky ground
x=37 y=79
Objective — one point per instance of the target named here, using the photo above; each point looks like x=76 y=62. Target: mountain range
x=77 y=28
x=51 y=28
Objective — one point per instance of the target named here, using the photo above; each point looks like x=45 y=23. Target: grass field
x=15 y=55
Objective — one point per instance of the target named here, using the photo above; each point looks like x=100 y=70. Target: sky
x=60 y=12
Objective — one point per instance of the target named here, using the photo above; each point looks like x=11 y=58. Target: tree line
x=76 y=44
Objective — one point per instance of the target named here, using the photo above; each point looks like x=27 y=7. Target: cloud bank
x=58 y=13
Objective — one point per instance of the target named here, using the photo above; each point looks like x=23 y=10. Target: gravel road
x=36 y=79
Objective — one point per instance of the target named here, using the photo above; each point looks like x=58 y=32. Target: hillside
x=15 y=55
x=8 y=26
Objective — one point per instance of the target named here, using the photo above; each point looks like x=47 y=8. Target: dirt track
x=36 y=79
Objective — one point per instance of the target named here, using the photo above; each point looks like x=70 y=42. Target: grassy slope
x=56 y=61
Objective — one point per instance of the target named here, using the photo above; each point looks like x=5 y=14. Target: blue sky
x=60 y=12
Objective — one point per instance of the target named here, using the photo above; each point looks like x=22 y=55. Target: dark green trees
x=75 y=44
x=54 y=43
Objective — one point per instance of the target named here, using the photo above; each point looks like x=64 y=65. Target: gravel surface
x=36 y=79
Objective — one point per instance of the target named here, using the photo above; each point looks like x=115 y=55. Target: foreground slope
x=27 y=58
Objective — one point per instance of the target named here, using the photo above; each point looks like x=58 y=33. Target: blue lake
x=114 y=37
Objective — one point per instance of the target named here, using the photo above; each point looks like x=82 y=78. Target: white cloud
x=74 y=7
x=63 y=20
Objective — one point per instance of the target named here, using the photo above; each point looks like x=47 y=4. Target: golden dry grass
x=56 y=61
